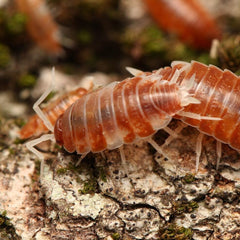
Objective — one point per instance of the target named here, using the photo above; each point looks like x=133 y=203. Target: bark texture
x=146 y=197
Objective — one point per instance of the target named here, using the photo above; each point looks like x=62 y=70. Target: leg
x=81 y=158
x=173 y=133
x=157 y=147
x=197 y=116
x=30 y=145
x=37 y=109
x=135 y=72
x=175 y=76
x=103 y=155
x=123 y=159
x=219 y=153
x=198 y=149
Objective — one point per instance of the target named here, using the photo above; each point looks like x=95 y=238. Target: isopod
x=218 y=93
x=120 y=113
x=40 y=25
x=52 y=111
x=136 y=108
x=187 y=19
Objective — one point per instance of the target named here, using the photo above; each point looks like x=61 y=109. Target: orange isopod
x=52 y=111
x=218 y=93
x=40 y=25
x=119 y=113
x=204 y=97
x=187 y=19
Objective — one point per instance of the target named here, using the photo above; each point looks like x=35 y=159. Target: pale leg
x=30 y=145
x=198 y=150
x=81 y=158
x=219 y=153
x=157 y=147
x=38 y=110
x=173 y=133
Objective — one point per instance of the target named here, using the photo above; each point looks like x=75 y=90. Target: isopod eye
x=58 y=130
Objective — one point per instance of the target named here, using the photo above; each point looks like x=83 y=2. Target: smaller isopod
x=41 y=25
x=188 y=19
x=52 y=111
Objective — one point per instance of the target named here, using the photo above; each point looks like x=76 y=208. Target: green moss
x=19 y=141
x=89 y=187
x=188 y=178
x=7 y=230
x=84 y=37
x=174 y=232
x=228 y=53
x=101 y=174
x=61 y=171
x=12 y=151
x=205 y=58
x=50 y=96
x=153 y=41
x=27 y=81
x=19 y=122
x=184 y=207
x=74 y=168
x=16 y=24
x=37 y=167
x=5 y=56
x=115 y=236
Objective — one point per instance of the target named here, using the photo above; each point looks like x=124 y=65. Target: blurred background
x=99 y=38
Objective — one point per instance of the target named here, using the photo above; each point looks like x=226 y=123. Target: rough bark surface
x=146 y=197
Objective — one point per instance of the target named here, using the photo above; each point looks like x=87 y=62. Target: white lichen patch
x=232 y=175
x=66 y=197
x=139 y=221
x=228 y=226
x=15 y=185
